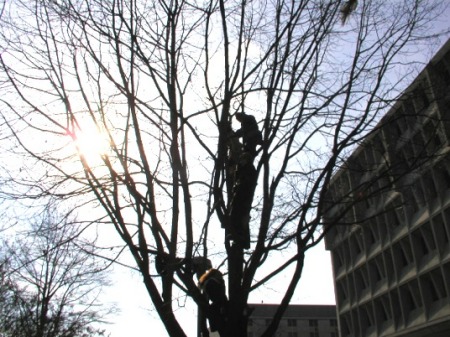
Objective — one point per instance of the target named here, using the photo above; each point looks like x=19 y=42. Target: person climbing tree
x=165 y=264
x=233 y=155
x=213 y=286
x=347 y=8
x=251 y=136
x=241 y=203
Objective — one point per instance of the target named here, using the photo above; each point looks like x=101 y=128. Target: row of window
x=296 y=334
x=386 y=231
x=297 y=327
x=411 y=253
x=294 y=322
x=424 y=191
x=402 y=145
x=373 y=279
x=424 y=296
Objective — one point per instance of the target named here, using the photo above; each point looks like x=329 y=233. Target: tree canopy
x=50 y=280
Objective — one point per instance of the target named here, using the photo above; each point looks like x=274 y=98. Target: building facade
x=298 y=320
x=389 y=218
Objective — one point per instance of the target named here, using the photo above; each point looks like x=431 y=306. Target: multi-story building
x=298 y=320
x=389 y=218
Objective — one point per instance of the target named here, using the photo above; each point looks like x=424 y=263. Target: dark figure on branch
x=241 y=203
x=251 y=136
x=199 y=265
x=213 y=285
x=347 y=8
x=165 y=263
x=234 y=153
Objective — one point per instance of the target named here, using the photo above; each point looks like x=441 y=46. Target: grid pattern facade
x=390 y=246
x=298 y=321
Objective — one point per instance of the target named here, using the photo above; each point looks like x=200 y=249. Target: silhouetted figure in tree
x=242 y=177
x=241 y=203
x=198 y=265
x=164 y=263
x=251 y=136
x=347 y=8
x=213 y=285
x=234 y=153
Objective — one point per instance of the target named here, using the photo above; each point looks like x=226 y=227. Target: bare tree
x=162 y=82
x=50 y=281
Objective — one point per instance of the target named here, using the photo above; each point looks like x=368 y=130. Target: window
x=430 y=289
x=361 y=279
x=292 y=334
x=382 y=309
x=442 y=176
x=382 y=228
x=345 y=324
x=354 y=243
x=333 y=322
x=433 y=285
x=393 y=219
x=423 y=241
x=443 y=70
x=405 y=252
x=341 y=288
x=292 y=322
x=374 y=232
x=429 y=186
x=389 y=264
x=396 y=313
x=409 y=115
x=400 y=211
x=419 y=194
x=418 y=144
x=394 y=127
x=369 y=234
x=442 y=237
x=432 y=135
x=314 y=334
x=366 y=315
x=406 y=155
x=337 y=258
x=313 y=323
x=410 y=200
x=409 y=300
x=359 y=245
x=421 y=100
x=410 y=297
x=375 y=270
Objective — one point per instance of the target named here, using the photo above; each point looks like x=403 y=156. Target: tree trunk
x=237 y=325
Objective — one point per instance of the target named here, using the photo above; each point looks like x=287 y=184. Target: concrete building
x=389 y=218
x=298 y=321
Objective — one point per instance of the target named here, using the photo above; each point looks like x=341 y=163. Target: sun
x=91 y=143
